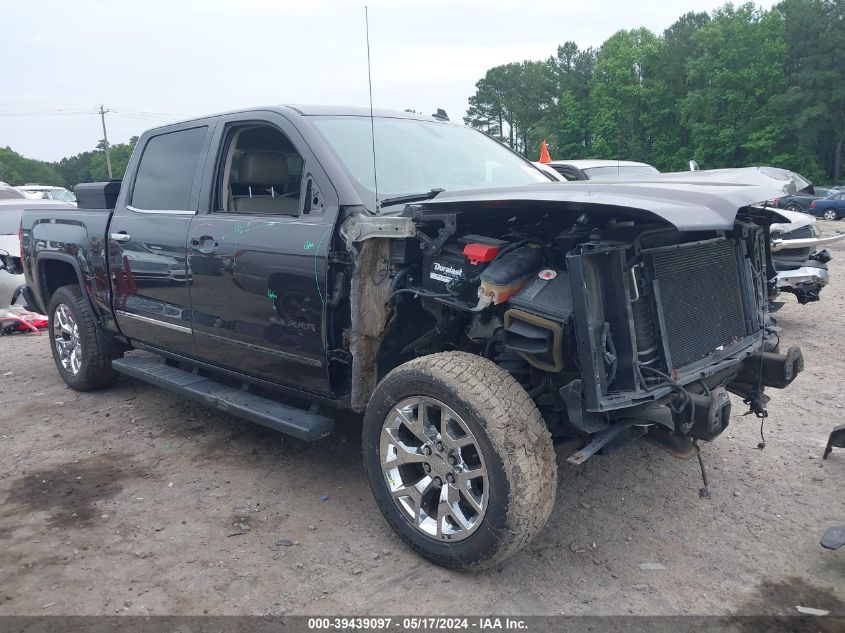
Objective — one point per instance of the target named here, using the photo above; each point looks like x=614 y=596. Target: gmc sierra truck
x=426 y=276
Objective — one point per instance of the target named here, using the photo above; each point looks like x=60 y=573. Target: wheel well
x=54 y=274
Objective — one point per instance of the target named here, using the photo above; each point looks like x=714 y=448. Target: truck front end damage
x=623 y=309
x=665 y=328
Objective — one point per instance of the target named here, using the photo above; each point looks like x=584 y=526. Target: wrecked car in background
x=800 y=264
x=11 y=269
x=468 y=306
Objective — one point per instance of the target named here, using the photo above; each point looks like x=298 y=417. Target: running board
x=299 y=423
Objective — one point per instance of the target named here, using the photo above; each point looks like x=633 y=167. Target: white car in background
x=8 y=192
x=11 y=269
x=601 y=169
x=47 y=192
x=551 y=173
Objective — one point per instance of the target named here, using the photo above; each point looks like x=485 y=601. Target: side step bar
x=302 y=424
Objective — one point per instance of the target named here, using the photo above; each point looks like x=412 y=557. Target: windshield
x=7 y=193
x=62 y=194
x=10 y=221
x=418 y=156
x=621 y=171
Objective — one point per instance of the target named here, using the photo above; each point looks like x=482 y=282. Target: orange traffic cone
x=544 y=153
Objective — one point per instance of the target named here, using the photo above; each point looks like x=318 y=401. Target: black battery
x=451 y=266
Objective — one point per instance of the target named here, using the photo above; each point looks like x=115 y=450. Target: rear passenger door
x=147 y=238
x=259 y=255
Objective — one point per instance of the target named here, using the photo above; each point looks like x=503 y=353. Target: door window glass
x=166 y=172
x=262 y=172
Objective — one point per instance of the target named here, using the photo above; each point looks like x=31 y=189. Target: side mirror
x=836 y=440
x=693 y=166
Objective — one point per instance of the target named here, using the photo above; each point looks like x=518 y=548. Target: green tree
x=672 y=143
x=624 y=85
x=813 y=104
x=515 y=103
x=574 y=71
x=119 y=155
x=75 y=169
x=737 y=68
x=736 y=87
x=18 y=170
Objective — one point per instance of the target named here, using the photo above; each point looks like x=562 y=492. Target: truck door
x=259 y=256
x=147 y=237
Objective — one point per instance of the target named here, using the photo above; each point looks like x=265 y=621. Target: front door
x=147 y=239
x=259 y=259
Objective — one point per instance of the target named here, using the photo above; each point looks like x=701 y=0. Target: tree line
x=736 y=87
x=85 y=167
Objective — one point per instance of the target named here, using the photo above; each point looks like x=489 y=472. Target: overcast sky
x=153 y=61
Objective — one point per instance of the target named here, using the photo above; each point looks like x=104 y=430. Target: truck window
x=262 y=172
x=166 y=172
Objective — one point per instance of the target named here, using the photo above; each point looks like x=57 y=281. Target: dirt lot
x=135 y=501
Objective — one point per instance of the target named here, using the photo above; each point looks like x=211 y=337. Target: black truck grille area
x=803 y=253
x=699 y=299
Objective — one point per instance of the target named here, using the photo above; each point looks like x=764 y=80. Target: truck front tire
x=73 y=341
x=459 y=459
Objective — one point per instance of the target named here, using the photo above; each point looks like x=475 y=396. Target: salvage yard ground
x=135 y=501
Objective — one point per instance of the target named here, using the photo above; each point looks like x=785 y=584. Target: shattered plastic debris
x=812 y=611
x=651 y=567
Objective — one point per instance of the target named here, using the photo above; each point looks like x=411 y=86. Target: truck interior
x=262 y=172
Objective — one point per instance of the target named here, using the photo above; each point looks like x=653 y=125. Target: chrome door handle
x=120 y=237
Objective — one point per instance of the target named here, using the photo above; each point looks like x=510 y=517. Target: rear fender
x=108 y=344
x=44 y=287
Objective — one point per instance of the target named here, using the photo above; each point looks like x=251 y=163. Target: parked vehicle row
x=801 y=200
x=800 y=266
x=830 y=208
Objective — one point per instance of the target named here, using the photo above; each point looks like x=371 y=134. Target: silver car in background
x=801 y=266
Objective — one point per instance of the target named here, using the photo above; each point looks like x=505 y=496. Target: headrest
x=262 y=168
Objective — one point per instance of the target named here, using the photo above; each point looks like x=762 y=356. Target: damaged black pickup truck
x=473 y=310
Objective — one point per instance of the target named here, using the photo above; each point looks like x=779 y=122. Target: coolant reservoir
x=508 y=273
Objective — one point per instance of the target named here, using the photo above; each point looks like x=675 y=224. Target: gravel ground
x=135 y=501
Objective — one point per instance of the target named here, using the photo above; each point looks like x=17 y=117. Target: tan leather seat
x=265 y=175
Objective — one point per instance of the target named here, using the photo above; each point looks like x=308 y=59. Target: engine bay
x=600 y=318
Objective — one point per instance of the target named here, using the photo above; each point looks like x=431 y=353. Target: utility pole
x=105 y=139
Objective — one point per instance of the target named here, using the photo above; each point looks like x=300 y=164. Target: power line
x=50 y=113
x=132 y=114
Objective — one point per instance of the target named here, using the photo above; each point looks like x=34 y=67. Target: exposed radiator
x=699 y=298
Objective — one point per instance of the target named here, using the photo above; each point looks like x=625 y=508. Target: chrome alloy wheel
x=434 y=469
x=66 y=339
x=830 y=214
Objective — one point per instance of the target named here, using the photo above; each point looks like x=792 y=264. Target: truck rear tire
x=73 y=341
x=459 y=459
